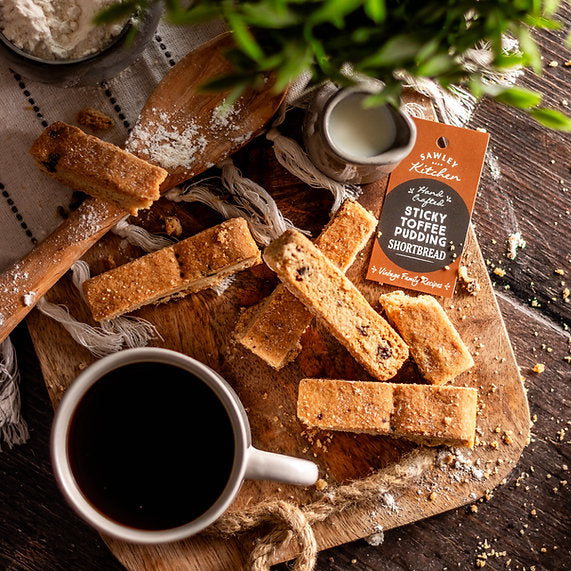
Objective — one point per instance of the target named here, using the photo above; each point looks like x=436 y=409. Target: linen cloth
x=31 y=203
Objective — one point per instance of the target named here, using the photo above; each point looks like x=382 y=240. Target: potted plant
x=395 y=41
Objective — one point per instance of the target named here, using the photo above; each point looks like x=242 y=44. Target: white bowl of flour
x=56 y=41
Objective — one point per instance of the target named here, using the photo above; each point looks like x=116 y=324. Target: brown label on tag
x=427 y=210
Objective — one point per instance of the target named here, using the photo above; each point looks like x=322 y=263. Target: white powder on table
x=515 y=241
x=56 y=29
x=29 y=298
x=173 y=142
x=224 y=117
x=165 y=145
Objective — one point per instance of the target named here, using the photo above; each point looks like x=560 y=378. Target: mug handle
x=262 y=465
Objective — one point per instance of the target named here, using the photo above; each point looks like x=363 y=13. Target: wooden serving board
x=201 y=325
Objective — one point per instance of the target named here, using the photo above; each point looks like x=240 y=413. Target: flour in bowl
x=56 y=29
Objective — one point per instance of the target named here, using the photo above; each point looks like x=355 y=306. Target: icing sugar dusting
x=459 y=465
x=224 y=116
x=29 y=298
x=165 y=145
x=92 y=218
x=14 y=278
x=171 y=149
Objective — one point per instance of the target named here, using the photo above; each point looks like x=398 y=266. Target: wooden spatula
x=176 y=108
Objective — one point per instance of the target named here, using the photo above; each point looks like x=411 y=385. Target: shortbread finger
x=96 y=167
x=197 y=263
x=346 y=234
x=434 y=343
x=435 y=415
x=327 y=293
x=274 y=329
x=426 y=414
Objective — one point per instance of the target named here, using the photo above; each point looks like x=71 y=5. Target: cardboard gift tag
x=427 y=209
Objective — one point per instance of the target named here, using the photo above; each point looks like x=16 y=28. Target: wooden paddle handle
x=26 y=281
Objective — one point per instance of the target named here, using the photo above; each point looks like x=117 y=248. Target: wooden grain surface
x=525 y=522
x=202 y=326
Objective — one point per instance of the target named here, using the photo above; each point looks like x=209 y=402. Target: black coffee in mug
x=151 y=446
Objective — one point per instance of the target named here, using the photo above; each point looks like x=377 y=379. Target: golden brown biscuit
x=273 y=330
x=434 y=343
x=329 y=295
x=197 y=263
x=427 y=414
x=100 y=169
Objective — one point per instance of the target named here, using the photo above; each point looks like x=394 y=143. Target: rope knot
x=287 y=522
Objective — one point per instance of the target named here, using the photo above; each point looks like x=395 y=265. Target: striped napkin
x=32 y=205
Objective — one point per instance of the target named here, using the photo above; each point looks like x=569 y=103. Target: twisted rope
x=286 y=521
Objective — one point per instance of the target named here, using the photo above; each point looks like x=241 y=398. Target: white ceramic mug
x=246 y=462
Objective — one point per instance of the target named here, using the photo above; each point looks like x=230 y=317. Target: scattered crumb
x=321 y=484
x=29 y=298
x=377 y=538
x=507 y=437
x=499 y=272
x=173 y=227
x=539 y=368
x=389 y=502
x=94 y=119
x=515 y=241
x=494 y=166
x=470 y=284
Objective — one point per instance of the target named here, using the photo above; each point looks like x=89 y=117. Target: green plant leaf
x=363 y=35
x=390 y=94
x=320 y=54
x=333 y=11
x=551 y=118
x=542 y=23
x=519 y=97
x=194 y=15
x=394 y=52
x=376 y=10
x=428 y=50
x=550 y=7
x=298 y=58
x=436 y=65
x=506 y=61
x=244 y=38
x=117 y=12
x=476 y=86
x=529 y=49
x=274 y=15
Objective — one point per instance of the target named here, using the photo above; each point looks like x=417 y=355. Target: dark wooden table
x=525 y=524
